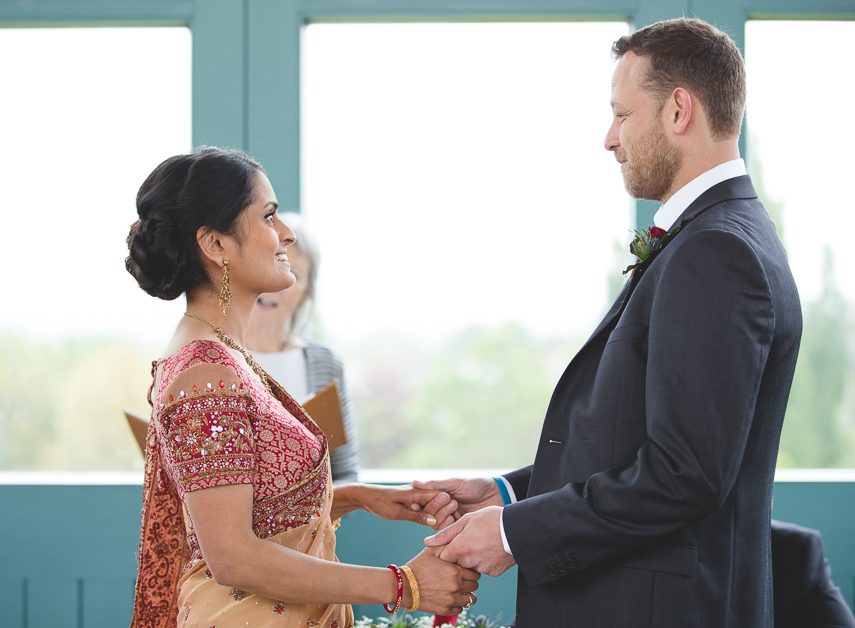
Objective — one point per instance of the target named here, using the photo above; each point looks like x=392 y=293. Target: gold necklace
x=255 y=366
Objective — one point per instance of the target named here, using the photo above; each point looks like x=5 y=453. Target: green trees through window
x=802 y=173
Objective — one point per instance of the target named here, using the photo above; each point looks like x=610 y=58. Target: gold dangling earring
x=225 y=298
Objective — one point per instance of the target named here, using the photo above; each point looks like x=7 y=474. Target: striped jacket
x=323 y=366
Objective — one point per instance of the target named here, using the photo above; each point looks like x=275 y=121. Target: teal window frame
x=247 y=53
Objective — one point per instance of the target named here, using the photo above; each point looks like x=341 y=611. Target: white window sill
x=376 y=476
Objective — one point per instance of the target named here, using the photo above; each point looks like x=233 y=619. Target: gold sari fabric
x=203 y=602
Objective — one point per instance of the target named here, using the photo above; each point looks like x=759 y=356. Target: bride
x=239 y=511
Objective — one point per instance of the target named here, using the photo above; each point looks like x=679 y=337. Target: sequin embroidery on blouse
x=214 y=435
x=210 y=442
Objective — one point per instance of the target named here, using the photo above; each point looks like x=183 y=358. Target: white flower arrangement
x=405 y=620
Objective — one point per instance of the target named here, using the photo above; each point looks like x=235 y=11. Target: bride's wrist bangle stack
x=414 y=587
x=394 y=609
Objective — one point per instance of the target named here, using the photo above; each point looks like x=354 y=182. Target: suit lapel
x=732 y=189
x=616 y=308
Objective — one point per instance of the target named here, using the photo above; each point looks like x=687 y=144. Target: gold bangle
x=336 y=524
x=414 y=587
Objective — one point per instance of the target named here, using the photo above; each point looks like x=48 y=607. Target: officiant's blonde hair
x=696 y=56
x=307 y=245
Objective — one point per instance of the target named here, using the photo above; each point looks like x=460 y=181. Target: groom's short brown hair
x=692 y=54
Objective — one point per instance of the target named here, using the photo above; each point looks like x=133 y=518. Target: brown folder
x=139 y=426
x=325 y=410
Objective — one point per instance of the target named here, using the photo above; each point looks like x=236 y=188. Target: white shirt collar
x=668 y=214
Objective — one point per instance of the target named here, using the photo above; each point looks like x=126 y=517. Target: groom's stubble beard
x=650 y=171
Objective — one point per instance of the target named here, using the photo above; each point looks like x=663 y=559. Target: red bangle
x=394 y=609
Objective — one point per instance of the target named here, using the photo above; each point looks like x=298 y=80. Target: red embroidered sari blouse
x=213 y=435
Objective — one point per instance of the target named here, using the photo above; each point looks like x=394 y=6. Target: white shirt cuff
x=510 y=488
x=502 y=530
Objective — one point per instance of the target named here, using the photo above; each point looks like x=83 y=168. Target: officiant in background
x=278 y=340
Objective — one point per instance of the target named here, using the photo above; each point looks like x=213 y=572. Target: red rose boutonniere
x=648 y=243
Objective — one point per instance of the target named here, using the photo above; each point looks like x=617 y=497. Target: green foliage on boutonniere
x=647 y=243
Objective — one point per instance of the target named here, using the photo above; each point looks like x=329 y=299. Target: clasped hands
x=466 y=515
x=445 y=588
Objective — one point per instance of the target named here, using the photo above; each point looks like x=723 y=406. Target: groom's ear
x=679 y=110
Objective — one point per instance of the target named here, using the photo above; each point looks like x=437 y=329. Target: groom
x=649 y=500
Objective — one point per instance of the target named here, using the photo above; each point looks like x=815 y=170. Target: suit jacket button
x=562 y=568
x=552 y=572
x=571 y=564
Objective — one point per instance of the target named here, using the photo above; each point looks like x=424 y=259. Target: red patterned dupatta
x=163 y=546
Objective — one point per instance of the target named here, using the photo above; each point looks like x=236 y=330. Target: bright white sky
x=86 y=115
x=798 y=96
x=462 y=179
x=454 y=173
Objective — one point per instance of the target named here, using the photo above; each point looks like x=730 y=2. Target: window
x=801 y=160
x=473 y=228
x=87 y=114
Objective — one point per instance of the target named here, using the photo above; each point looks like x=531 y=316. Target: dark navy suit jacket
x=805 y=596
x=649 y=500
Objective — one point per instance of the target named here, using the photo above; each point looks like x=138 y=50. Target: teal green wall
x=246 y=53
x=67 y=553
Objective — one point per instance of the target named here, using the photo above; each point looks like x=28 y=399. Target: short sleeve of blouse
x=206 y=440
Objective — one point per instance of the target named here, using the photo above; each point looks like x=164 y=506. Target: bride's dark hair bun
x=207 y=188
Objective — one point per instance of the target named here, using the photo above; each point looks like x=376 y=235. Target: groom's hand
x=459 y=497
x=475 y=542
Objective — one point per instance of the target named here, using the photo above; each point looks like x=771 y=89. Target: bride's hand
x=458 y=497
x=444 y=588
x=399 y=503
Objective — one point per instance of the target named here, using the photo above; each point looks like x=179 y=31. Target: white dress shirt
x=668 y=214
x=665 y=218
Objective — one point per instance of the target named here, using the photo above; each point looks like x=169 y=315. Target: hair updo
x=207 y=188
